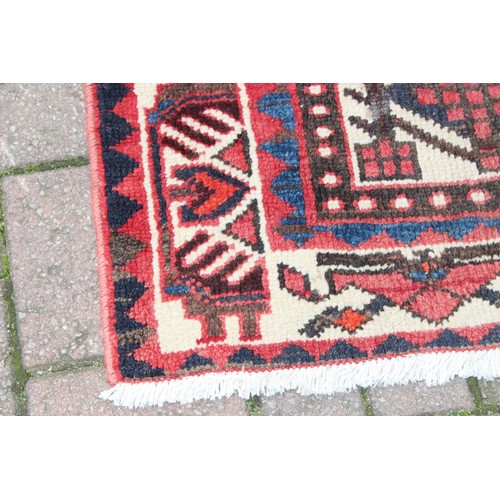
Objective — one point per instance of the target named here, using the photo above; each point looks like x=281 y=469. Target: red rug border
x=104 y=263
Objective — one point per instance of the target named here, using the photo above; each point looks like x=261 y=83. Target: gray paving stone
x=291 y=403
x=41 y=122
x=6 y=395
x=51 y=239
x=76 y=393
x=490 y=390
x=418 y=399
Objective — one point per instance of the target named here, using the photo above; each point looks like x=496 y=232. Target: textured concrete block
x=490 y=390
x=291 y=403
x=76 y=393
x=418 y=399
x=40 y=122
x=53 y=264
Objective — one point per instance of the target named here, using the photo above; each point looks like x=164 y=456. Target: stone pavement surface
x=418 y=399
x=53 y=267
x=50 y=345
x=41 y=122
x=291 y=403
x=490 y=390
x=74 y=393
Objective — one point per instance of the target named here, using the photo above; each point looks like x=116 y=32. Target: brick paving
x=51 y=268
x=490 y=390
x=40 y=122
x=75 y=393
x=291 y=403
x=418 y=399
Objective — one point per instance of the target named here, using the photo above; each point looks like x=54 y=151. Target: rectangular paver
x=490 y=390
x=51 y=240
x=419 y=399
x=291 y=403
x=77 y=393
x=40 y=122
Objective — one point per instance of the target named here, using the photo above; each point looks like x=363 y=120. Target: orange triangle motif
x=220 y=192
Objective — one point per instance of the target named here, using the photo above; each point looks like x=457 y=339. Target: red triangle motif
x=434 y=305
x=382 y=240
x=127 y=107
x=141 y=266
x=244 y=228
x=133 y=186
x=143 y=310
x=481 y=233
x=131 y=146
x=235 y=155
x=137 y=226
x=431 y=237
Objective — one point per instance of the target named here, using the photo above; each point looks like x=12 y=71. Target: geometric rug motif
x=244 y=228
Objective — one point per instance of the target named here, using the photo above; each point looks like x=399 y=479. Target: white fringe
x=433 y=368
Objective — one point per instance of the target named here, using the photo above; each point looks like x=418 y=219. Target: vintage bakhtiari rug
x=254 y=238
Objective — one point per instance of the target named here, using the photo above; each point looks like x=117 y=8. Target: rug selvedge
x=297 y=225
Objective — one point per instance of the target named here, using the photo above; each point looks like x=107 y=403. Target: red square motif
x=482 y=129
x=389 y=168
x=426 y=96
x=491 y=162
x=455 y=114
x=368 y=153
x=371 y=169
x=450 y=97
x=385 y=149
x=479 y=113
x=407 y=167
x=404 y=150
x=494 y=91
x=475 y=96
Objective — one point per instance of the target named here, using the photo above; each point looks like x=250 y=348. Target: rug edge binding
x=432 y=368
x=99 y=217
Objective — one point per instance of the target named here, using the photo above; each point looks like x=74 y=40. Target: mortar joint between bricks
x=66 y=366
x=368 y=408
x=475 y=390
x=18 y=371
x=45 y=166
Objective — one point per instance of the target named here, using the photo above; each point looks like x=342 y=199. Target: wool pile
x=254 y=238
